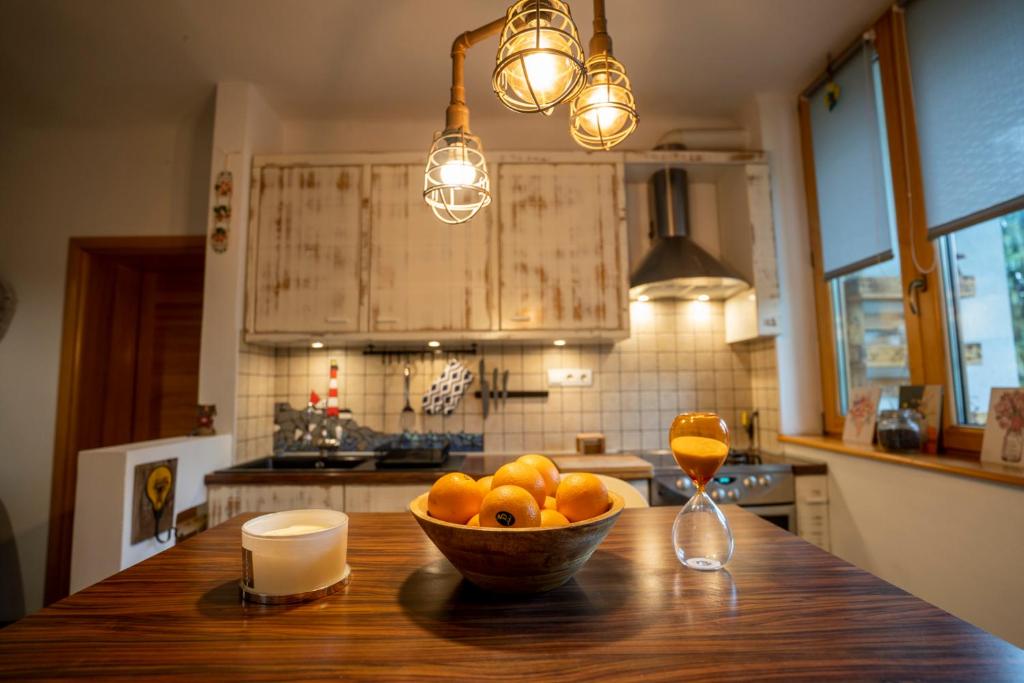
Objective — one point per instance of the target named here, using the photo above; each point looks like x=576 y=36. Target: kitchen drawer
x=811 y=489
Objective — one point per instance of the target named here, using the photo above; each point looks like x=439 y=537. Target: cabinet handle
x=520 y=318
x=387 y=320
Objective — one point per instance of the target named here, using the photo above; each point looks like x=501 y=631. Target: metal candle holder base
x=250 y=595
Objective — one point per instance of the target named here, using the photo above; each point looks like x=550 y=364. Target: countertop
x=623 y=466
x=783 y=610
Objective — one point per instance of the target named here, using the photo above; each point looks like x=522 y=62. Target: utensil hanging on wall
x=407 y=420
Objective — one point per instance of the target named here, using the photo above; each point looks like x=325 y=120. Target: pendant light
x=604 y=113
x=540 y=58
x=456 y=184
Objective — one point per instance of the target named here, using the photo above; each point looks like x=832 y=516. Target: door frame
x=82 y=252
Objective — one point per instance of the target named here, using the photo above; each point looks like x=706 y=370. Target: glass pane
x=871 y=336
x=983 y=278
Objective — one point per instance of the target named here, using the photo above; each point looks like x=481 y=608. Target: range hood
x=676 y=267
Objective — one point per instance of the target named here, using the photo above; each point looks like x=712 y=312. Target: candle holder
x=294 y=556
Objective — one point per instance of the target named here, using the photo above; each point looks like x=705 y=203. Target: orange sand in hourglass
x=699 y=456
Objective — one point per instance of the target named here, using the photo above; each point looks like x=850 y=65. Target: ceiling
x=119 y=61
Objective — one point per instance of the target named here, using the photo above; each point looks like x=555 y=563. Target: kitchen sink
x=302 y=462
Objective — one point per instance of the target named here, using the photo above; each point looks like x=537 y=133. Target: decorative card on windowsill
x=861 y=415
x=1004 y=429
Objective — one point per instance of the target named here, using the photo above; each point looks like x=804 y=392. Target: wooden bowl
x=517 y=560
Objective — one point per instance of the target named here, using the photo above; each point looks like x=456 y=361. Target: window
x=983 y=278
x=941 y=298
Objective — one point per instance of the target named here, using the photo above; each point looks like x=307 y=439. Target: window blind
x=849 y=169
x=967 y=70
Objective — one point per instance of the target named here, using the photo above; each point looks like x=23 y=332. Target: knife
x=483 y=387
x=494 y=387
x=504 y=389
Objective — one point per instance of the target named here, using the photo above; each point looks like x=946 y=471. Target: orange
x=546 y=468
x=552 y=518
x=509 y=507
x=549 y=503
x=581 y=496
x=474 y=520
x=524 y=476
x=455 y=498
x=484 y=483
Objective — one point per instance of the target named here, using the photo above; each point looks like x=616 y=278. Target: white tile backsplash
x=676 y=359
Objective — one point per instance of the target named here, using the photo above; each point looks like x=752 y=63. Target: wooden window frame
x=929 y=357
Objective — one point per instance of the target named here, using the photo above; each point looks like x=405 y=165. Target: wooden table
x=784 y=610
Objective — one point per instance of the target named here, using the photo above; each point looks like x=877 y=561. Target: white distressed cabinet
x=561 y=236
x=343 y=248
x=425 y=275
x=306 y=235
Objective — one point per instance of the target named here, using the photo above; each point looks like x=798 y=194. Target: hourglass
x=700 y=534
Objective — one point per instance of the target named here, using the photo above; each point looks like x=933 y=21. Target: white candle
x=295 y=552
x=294 y=530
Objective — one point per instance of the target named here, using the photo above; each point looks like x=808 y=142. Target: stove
x=766 y=489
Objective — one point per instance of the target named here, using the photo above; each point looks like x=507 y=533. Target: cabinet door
x=561 y=249
x=425 y=275
x=307 y=251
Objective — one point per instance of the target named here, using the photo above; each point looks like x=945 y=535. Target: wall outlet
x=570 y=377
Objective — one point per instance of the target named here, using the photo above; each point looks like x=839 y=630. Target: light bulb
x=543 y=72
x=604 y=113
x=457 y=172
x=540 y=59
x=601 y=117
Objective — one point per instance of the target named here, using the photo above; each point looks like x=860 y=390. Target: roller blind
x=967 y=70
x=849 y=168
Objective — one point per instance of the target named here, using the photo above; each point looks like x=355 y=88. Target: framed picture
x=1004 y=428
x=926 y=399
x=862 y=415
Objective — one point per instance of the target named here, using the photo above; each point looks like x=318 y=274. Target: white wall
x=105 y=500
x=955 y=542
x=243 y=124
x=58 y=183
x=772 y=121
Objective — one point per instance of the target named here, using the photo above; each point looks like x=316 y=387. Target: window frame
x=930 y=361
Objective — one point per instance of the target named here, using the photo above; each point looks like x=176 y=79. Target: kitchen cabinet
x=306 y=236
x=425 y=276
x=562 y=257
x=343 y=248
x=812 y=509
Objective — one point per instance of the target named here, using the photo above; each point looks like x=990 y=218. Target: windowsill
x=947 y=464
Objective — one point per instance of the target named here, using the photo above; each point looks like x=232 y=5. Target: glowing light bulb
x=602 y=118
x=543 y=72
x=457 y=172
x=643 y=297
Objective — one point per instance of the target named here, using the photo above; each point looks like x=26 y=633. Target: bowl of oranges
x=526 y=529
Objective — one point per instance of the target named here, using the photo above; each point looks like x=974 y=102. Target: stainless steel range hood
x=676 y=267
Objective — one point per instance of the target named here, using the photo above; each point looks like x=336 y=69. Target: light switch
x=570 y=377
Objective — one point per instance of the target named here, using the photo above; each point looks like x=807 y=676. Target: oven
x=767 y=490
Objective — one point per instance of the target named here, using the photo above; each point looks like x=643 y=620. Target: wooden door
x=133 y=311
x=425 y=275
x=307 y=251
x=560 y=249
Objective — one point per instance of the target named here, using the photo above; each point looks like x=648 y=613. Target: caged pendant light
x=604 y=113
x=456 y=184
x=539 y=65
x=540 y=58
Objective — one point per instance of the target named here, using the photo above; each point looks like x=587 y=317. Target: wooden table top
x=783 y=610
